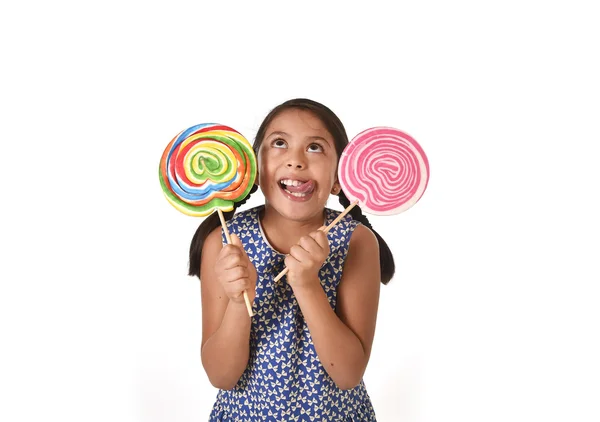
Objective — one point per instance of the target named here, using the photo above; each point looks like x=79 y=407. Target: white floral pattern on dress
x=284 y=380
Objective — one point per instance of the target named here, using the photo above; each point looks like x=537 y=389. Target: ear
x=336 y=188
x=257 y=167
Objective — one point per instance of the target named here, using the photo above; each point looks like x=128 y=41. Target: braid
x=386 y=259
x=355 y=212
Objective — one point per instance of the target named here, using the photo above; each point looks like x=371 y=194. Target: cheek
x=264 y=171
x=334 y=174
x=331 y=171
x=263 y=179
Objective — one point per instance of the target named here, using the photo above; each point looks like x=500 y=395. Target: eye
x=279 y=143
x=315 y=148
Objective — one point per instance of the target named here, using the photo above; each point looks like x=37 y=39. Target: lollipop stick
x=339 y=217
x=228 y=237
x=224 y=225
x=324 y=229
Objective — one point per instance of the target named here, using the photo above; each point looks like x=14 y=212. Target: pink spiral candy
x=385 y=170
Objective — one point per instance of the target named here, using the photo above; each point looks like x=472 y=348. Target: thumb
x=235 y=240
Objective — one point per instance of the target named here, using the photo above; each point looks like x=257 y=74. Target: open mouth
x=296 y=188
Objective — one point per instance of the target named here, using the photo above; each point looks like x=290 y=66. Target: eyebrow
x=277 y=133
x=313 y=138
x=319 y=138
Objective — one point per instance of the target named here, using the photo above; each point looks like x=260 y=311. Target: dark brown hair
x=336 y=129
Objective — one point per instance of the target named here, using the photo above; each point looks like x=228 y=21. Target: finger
x=300 y=254
x=235 y=240
x=309 y=244
x=231 y=275
x=233 y=260
x=290 y=261
x=320 y=238
x=236 y=273
x=229 y=250
x=238 y=287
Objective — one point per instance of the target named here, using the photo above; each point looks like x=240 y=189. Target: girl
x=303 y=354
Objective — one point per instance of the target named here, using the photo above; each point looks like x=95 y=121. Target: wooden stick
x=228 y=237
x=324 y=229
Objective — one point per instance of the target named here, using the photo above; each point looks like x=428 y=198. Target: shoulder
x=363 y=237
x=363 y=248
x=213 y=242
x=362 y=271
x=362 y=261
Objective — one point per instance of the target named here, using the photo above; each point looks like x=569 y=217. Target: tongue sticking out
x=305 y=187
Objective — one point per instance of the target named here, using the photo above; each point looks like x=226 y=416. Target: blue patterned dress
x=284 y=380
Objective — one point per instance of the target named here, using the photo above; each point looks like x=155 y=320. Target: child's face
x=297 y=164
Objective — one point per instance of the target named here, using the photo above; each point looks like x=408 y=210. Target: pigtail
x=386 y=259
x=206 y=227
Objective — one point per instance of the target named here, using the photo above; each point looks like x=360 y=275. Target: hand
x=235 y=272
x=306 y=259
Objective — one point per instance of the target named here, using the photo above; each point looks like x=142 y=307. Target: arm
x=343 y=338
x=225 y=323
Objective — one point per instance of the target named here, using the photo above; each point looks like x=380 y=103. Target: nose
x=295 y=164
x=296 y=161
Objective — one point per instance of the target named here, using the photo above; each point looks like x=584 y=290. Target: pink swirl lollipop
x=383 y=169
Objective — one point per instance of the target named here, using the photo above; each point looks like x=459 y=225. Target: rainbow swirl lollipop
x=207 y=167
x=383 y=169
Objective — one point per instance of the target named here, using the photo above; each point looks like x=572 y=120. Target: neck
x=282 y=233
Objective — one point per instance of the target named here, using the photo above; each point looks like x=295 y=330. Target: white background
x=493 y=314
